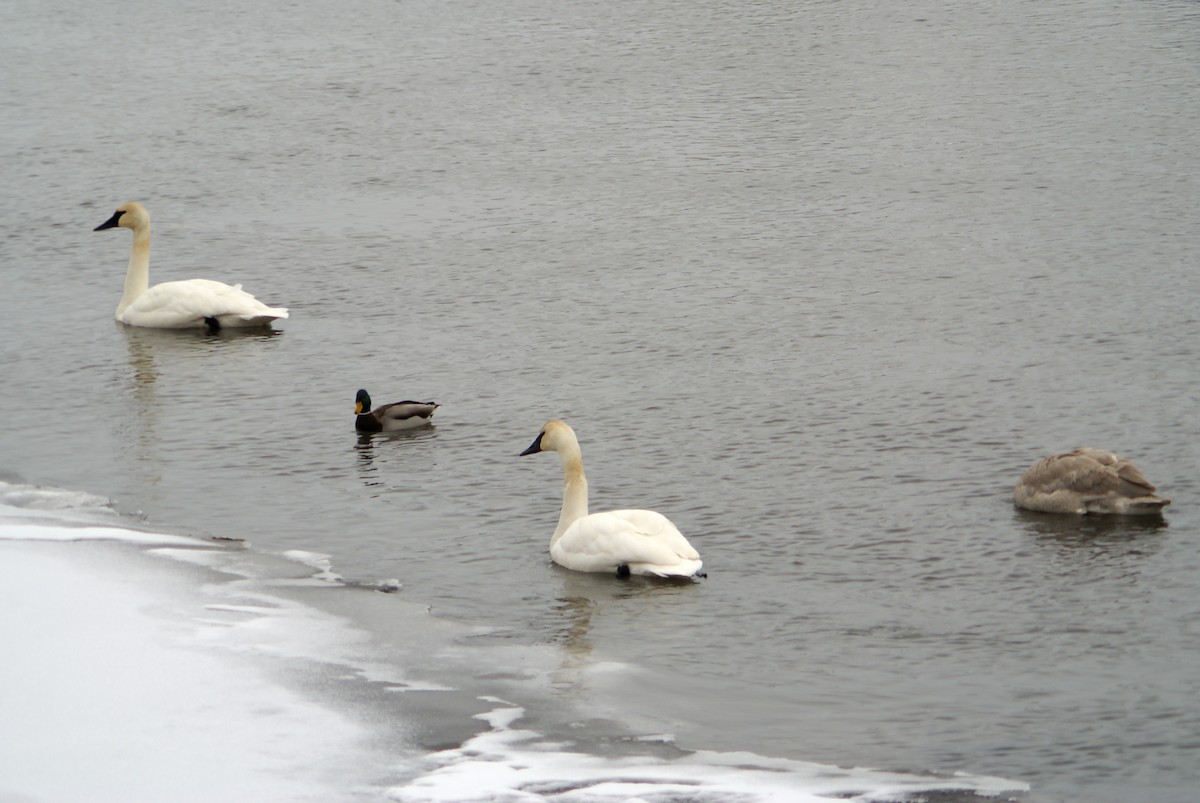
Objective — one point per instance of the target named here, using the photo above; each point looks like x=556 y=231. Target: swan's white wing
x=645 y=541
x=187 y=303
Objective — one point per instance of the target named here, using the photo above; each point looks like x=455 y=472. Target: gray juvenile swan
x=622 y=542
x=1087 y=481
x=191 y=303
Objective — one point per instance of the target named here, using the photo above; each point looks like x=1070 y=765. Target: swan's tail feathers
x=1148 y=504
x=1151 y=505
x=264 y=316
x=684 y=570
x=1139 y=506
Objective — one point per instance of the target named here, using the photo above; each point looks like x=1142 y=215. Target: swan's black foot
x=213 y=325
x=622 y=571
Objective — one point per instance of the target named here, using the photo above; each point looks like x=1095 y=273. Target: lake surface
x=815 y=280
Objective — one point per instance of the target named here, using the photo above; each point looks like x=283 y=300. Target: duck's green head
x=362 y=402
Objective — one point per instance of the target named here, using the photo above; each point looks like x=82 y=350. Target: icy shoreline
x=142 y=666
x=107 y=698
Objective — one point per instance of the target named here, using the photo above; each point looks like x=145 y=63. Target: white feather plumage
x=190 y=303
x=641 y=541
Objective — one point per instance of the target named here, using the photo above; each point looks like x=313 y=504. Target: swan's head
x=362 y=402
x=128 y=216
x=556 y=436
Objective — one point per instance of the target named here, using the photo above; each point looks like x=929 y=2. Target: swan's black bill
x=111 y=223
x=534 y=447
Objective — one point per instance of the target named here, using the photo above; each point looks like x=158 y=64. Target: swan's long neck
x=137 y=278
x=575 y=492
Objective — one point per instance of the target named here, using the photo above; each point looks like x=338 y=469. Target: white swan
x=1086 y=481
x=183 y=304
x=621 y=541
x=391 y=417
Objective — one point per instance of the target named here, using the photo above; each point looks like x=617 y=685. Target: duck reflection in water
x=370 y=445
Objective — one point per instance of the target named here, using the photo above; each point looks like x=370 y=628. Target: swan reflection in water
x=157 y=356
x=140 y=435
x=587 y=600
x=1073 y=529
x=1090 y=548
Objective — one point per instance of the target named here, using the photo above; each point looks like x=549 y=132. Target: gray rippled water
x=816 y=280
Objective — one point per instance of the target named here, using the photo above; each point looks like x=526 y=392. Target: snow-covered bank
x=103 y=699
x=144 y=666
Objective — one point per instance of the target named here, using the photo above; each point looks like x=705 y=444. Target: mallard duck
x=182 y=304
x=1086 y=481
x=390 y=417
x=623 y=542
